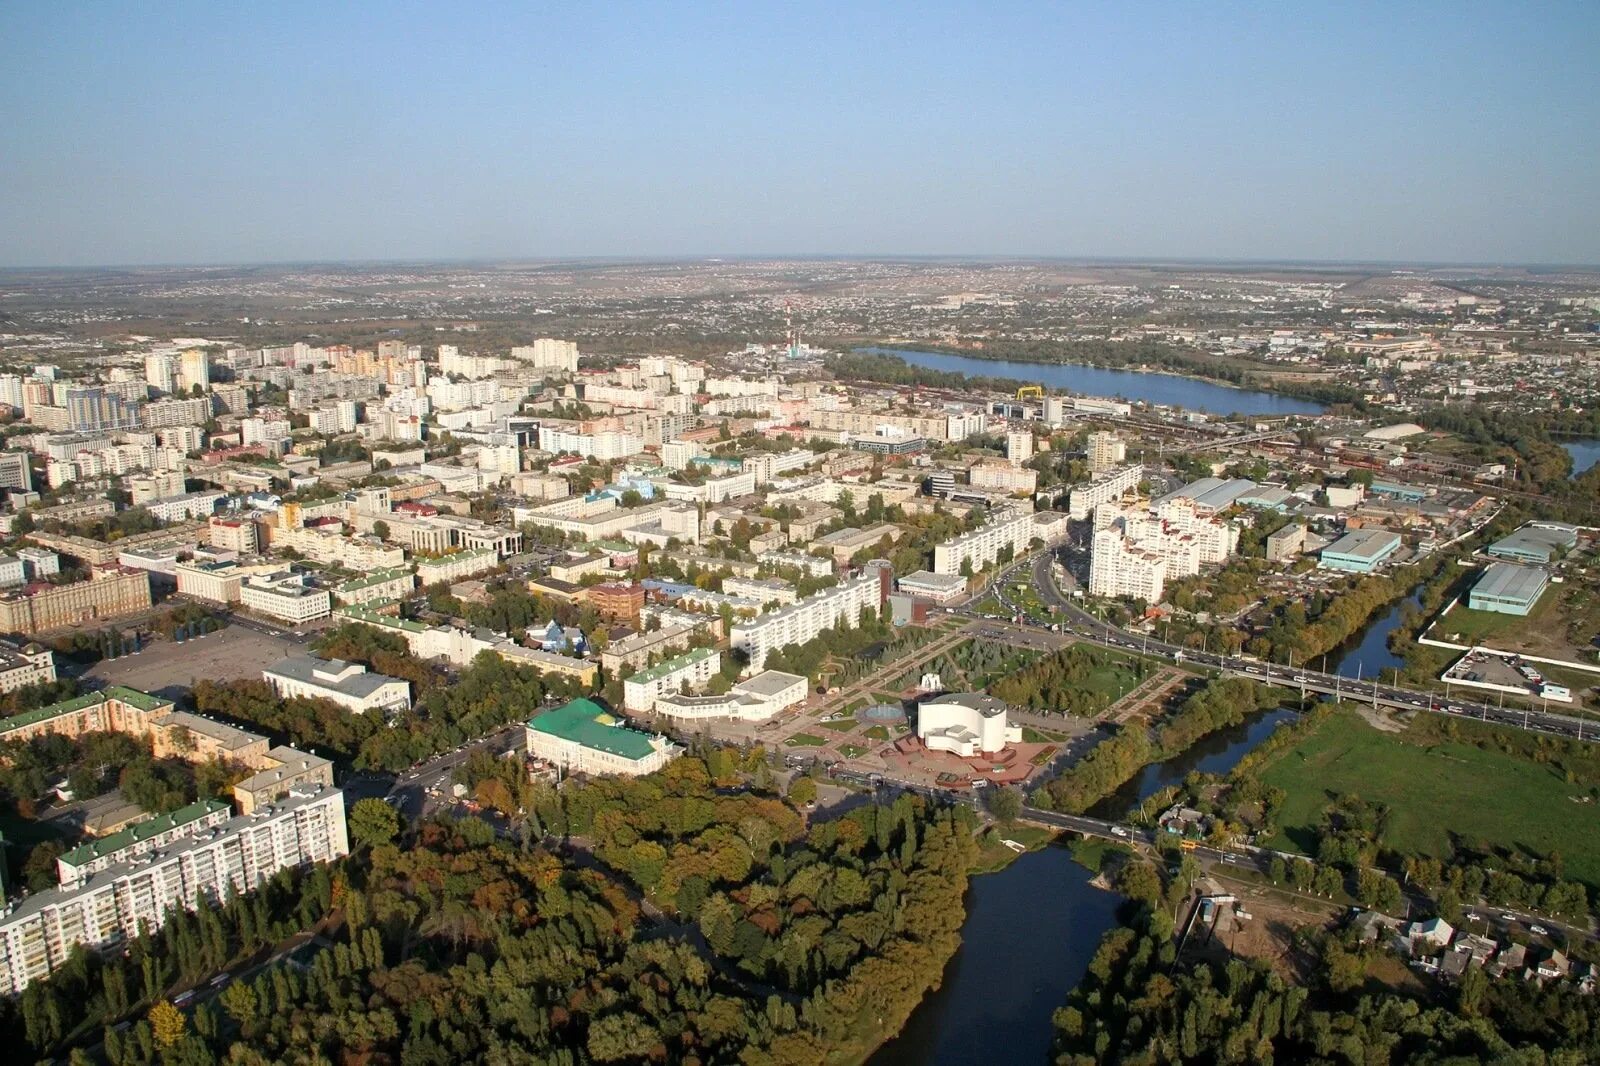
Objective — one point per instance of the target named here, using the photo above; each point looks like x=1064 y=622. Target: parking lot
x=166 y=668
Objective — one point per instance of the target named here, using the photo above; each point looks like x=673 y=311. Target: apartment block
x=694 y=668
x=840 y=606
x=109 y=906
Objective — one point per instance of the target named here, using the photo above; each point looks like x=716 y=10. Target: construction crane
x=1035 y=392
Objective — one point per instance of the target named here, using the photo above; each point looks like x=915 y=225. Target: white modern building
x=350 y=685
x=757 y=699
x=284 y=596
x=107 y=908
x=1106 y=488
x=1106 y=451
x=965 y=723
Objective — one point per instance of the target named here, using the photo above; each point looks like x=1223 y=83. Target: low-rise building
x=1360 y=551
x=350 y=685
x=938 y=588
x=455 y=566
x=634 y=652
x=756 y=699
x=26 y=664
x=582 y=737
x=1506 y=588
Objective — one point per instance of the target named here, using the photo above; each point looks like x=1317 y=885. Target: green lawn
x=805 y=740
x=1435 y=790
x=1031 y=735
x=843 y=725
x=851 y=751
x=877 y=732
x=1466 y=626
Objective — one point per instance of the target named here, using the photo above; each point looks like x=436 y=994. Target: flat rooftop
x=1364 y=544
x=1510 y=581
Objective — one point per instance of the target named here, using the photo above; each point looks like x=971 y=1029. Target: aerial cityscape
x=609 y=616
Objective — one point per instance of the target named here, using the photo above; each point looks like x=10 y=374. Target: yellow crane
x=1035 y=392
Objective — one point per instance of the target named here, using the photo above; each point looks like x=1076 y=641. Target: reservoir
x=1585 y=453
x=1031 y=930
x=1149 y=387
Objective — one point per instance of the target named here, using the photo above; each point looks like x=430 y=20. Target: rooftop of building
x=769 y=683
x=377 y=577
x=1364 y=543
x=929 y=579
x=1510 y=581
x=365 y=612
x=141 y=831
x=1539 y=537
x=668 y=666
x=589 y=725
x=290 y=760
x=984 y=704
x=348 y=679
x=133 y=697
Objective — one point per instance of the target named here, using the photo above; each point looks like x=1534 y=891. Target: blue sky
x=242 y=132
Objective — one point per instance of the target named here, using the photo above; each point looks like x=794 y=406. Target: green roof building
x=583 y=737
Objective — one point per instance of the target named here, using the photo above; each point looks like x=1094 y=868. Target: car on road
x=1118 y=831
x=1538 y=930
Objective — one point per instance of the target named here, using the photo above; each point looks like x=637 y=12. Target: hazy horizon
x=193 y=135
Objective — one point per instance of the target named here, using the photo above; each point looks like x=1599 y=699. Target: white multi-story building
x=694 y=668
x=1106 y=488
x=284 y=596
x=350 y=685
x=604 y=445
x=840 y=606
x=194 y=368
x=1003 y=477
x=160 y=373
x=1012 y=529
x=548 y=353
x=1119 y=568
x=108 y=908
x=768 y=465
x=335 y=418
x=1019 y=445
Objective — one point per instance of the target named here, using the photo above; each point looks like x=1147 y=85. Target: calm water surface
x=1031 y=930
x=1150 y=387
x=1585 y=453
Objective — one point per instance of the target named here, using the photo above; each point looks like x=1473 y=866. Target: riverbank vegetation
x=1135 y=1006
x=1219 y=703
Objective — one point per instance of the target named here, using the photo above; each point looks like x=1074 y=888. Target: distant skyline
x=190 y=133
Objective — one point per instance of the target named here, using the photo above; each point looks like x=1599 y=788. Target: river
x=1152 y=387
x=1030 y=932
x=1585 y=453
x=1214 y=754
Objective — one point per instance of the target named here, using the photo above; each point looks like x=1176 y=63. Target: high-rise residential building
x=159 y=372
x=549 y=354
x=1110 y=486
x=11 y=390
x=1106 y=451
x=92 y=408
x=194 y=368
x=1120 y=568
x=1019 y=445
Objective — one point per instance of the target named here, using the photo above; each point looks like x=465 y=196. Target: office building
x=582 y=737
x=1286 y=543
x=111 y=592
x=284 y=596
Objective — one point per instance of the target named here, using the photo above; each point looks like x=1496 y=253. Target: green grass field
x=1436 y=792
x=876 y=732
x=852 y=751
x=843 y=725
x=805 y=740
